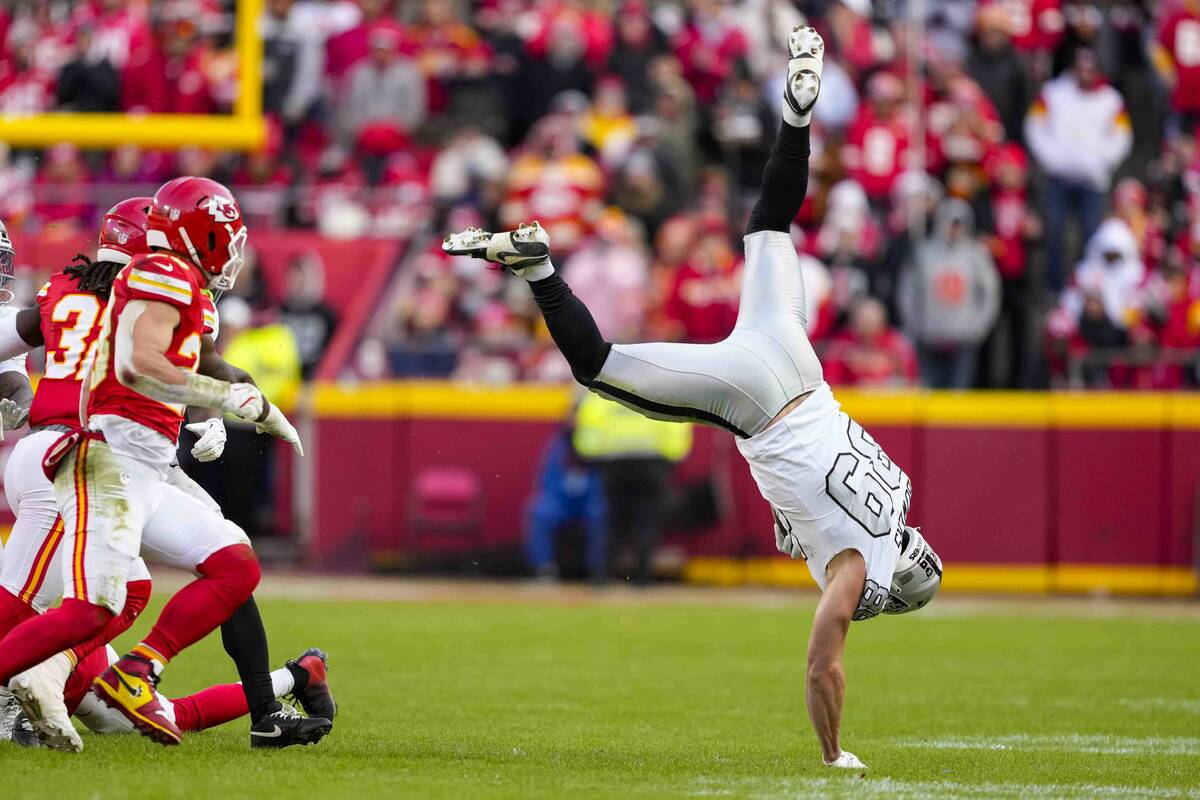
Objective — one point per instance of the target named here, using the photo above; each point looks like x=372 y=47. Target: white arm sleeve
x=12 y=347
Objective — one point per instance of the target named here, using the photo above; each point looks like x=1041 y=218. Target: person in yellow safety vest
x=269 y=353
x=636 y=456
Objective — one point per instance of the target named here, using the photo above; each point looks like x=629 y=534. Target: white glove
x=846 y=761
x=211 y=442
x=785 y=542
x=11 y=416
x=278 y=426
x=244 y=400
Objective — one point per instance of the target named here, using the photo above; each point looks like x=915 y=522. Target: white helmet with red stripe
x=199 y=219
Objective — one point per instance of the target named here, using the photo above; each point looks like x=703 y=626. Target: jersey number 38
x=864 y=482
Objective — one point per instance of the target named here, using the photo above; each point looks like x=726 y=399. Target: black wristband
x=266 y=410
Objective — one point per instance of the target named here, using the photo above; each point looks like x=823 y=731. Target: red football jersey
x=70 y=321
x=1180 y=36
x=160 y=278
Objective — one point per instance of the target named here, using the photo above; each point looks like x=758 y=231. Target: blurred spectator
x=471 y=167
x=868 y=352
x=949 y=298
x=263 y=183
x=1012 y=229
x=849 y=242
x=994 y=64
x=173 y=74
x=1111 y=273
x=304 y=310
x=554 y=182
x=636 y=456
x=566 y=490
x=1177 y=55
x=744 y=127
x=648 y=183
x=610 y=274
x=702 y=301
x=293 y=60
x=384 y=100
x=89 y=81
x=1079 y=133
x=709 y=47
x=637 y=42
x=446 y=49
x=24 y=88
x=877 y=142
x=267 y=350
x=607 y=126
x=1037 y=29
x=59 y=188
x=346 y=48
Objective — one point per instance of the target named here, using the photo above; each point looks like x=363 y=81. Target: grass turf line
x=528 y=700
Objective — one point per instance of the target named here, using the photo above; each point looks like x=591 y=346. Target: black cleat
x=287 y=727
x=23 y=733
x=315 y=698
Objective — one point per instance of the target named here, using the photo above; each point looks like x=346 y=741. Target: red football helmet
x=123 y=231
x=198 y=217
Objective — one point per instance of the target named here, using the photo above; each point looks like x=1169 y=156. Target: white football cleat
x=39 y=690
x=804 y=75
x=846 y=761
x=527 y=246
x=9 y=709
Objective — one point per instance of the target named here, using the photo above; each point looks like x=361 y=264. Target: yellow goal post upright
x=244 y=129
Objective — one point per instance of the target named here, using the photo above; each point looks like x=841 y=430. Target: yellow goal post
x=244 y=129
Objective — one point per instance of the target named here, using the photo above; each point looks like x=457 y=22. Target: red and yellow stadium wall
x=1020 y=492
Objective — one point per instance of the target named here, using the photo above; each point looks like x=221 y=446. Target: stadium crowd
x=1004 y=192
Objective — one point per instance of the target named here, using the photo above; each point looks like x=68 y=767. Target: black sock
x=245 y=641
x=784 y=181
x=572 y=327
x=299 y=676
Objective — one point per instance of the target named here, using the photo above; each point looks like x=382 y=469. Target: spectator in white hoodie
x=1111 y=270
x=1079 y=132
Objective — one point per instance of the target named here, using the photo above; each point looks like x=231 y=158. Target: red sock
x=35 y=640
x=227 y=579
x=13 y=611
x=137 y=594
x=210 y=707
x=84 y=674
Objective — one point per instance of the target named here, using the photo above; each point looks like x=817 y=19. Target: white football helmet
x=7 y=256
x=918 y=575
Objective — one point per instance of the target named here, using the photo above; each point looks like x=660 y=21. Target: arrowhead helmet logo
x=222 y=209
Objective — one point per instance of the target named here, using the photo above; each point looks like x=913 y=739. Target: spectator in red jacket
x=870 y=352
x=709 y=47
x=346 y=49
x=877 y=140
x=171 y=76
x=702 y=301
x=1177 y=55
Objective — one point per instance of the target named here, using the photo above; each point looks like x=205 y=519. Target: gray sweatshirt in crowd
x=949 y=294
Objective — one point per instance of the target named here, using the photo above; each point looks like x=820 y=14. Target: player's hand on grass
x=278 y=426
x=245 y=400
x=846 y=761
x=210 y=442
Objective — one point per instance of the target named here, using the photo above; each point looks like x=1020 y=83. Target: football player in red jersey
x=67 y=320
x=111 y=478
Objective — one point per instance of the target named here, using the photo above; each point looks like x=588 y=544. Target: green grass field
x=522 y=693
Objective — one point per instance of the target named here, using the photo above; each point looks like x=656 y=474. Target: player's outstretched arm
x=144 y=332
x=825 y=684
x=274 y=423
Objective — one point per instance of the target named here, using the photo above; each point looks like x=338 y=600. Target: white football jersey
x=833 y=488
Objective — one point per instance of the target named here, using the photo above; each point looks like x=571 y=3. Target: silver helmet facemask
x=7 y=276
x=918 y=575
